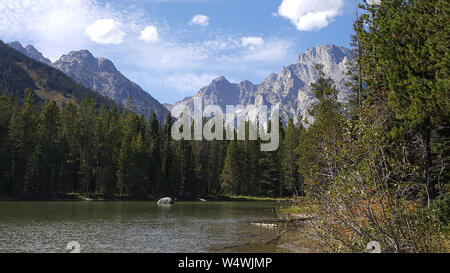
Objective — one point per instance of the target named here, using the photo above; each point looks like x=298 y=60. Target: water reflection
x=132 y=226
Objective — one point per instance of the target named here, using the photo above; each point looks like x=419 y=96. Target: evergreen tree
x=270 y=173
x=318 y=148
x=185 y=162
x=108 y=136
x=153 y=143
x=405 y=66
x=214 y=158
x=252 y=169
x=43 y=172
x=170 y=167
x=132 y=163
x=292 y=181
x=231 y=173
x=70 y=145
x=7 y=108
x=87 y=145
x=22 y=139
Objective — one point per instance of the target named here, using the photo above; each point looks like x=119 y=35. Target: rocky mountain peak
x=86 y=60
x=220 y=81
x=16 y=45
x=325 y=54
x=30 y=51
x=269 y=81
x=106 y=65
x=246 y=84
x=271 y=77
x=101 y=75
x=218 y=86
x=290 y=89
x=82 y=59
x=83 y=54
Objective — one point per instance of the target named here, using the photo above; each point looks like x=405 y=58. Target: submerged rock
x=166 y=201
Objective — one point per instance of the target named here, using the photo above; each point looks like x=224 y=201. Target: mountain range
x=289 y=90
x=101 y=75
x=19 y=72
x=31 y=52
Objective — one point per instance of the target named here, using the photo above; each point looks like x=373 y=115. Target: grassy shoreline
x=256 y=198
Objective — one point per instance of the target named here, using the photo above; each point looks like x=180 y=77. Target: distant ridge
x=30 y=51
x=290 y=89
x=101 y=75
x=19 y=72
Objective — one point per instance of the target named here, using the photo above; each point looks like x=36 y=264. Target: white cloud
x=54 y=26
x=308 y=15
x=105 y=31
x=201 y=20
x=252 y=42
x=150 y=34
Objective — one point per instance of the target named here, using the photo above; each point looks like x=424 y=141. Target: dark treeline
x=89 y=149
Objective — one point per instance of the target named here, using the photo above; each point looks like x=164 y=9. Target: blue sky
x=174 y=47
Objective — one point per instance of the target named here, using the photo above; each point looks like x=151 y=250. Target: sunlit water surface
x=134 y=226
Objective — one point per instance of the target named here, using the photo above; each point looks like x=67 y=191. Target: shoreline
x=77 y=197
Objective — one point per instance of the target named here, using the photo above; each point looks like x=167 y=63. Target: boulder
x=166 y=201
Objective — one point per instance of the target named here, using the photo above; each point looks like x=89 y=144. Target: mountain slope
x=18 y=72
x=31 y=52
x=290 y=90
x=101 y=75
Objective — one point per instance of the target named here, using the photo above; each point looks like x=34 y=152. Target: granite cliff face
x=290 y=90
x=101 y=75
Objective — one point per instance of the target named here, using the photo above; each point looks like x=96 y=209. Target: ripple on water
x=130 y=226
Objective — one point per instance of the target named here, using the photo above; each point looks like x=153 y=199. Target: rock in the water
x=166 y=201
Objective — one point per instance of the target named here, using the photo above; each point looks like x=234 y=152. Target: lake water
x=135 y=227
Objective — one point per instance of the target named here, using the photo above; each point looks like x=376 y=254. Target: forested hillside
x=87 y=149
x=77 y=142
